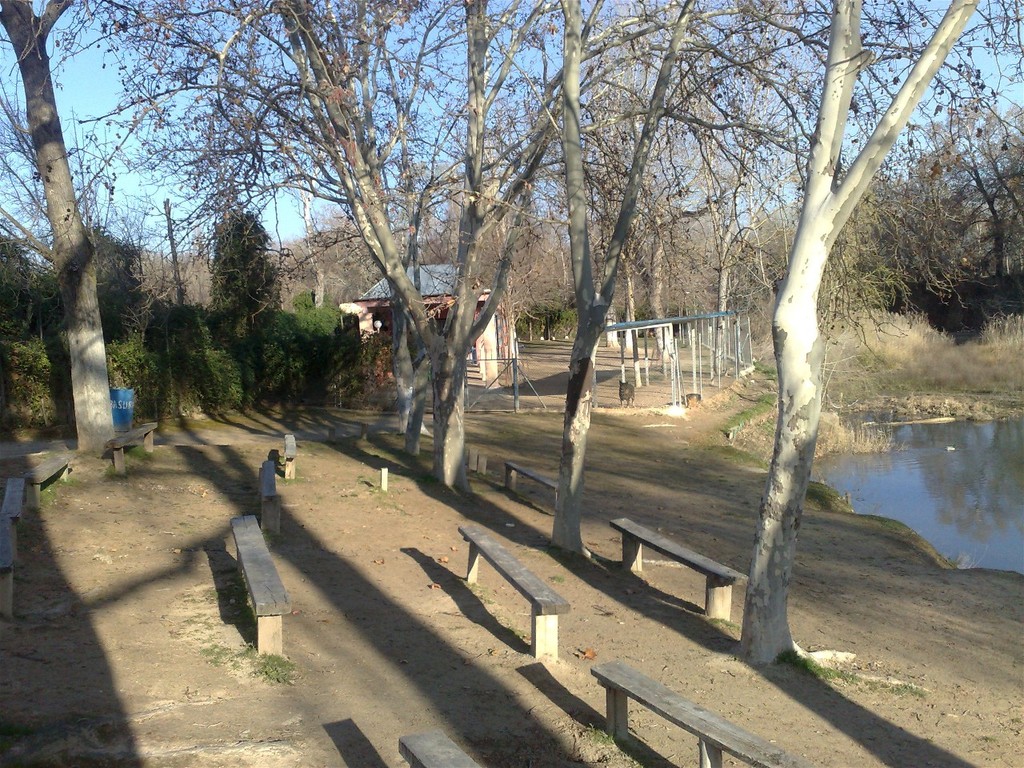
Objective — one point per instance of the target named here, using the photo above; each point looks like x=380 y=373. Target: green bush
x=36 y=383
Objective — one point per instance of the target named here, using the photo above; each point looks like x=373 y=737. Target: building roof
x=435 y=280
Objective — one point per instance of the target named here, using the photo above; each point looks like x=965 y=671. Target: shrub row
x=183 y=365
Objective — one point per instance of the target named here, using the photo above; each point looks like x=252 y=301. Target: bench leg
x=544 y=641
x=119 y=466
x=473 y=570
x=289 y=469
x=270 y=514
x=481 y=464
x=7 y=594
x=269 y=634
x=511 y=478
x=147 y=442
x=616 y=704
x=632 y=553
x=710 y=756
x=718 y=599
x=32 y=496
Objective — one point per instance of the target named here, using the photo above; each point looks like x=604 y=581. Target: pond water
x=960 y=485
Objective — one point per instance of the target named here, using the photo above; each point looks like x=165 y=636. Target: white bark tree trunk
x=594 y=300
x=829 y=199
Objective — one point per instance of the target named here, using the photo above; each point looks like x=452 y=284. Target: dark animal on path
x=626 y=393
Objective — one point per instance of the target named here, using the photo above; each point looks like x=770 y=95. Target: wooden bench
x=38 y=476
x=290 y=452
x=720 y=578
x=9 y=515
x=716 y=734
x=433 y=749
x=513 y=470
x=270 y=502
x=269 y=598
x=545 y=603
x=142 y=434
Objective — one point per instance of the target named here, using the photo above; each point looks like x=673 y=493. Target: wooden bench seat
x=269 y=598
x=716 y=735
x=41 y=474
x=14 y=491
x=513 y=470
x=290 y=452
x=545 y=603
x=142 y=434
x=10 y=513
x=433 y=749
x=270 y=501
x=720 y=578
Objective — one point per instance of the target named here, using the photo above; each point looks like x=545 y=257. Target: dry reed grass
x=906 y=354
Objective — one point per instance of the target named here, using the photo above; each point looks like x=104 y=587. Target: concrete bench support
x=433 y=749
x=715 y=734
x=290 y=452
x=270 y=501
x=269 y=598
x=142 y=434
x=10 y=513
x=720 y=578
x=546 y=604
x=54 y=467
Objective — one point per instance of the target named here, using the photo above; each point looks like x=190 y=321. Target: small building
x=437 y=286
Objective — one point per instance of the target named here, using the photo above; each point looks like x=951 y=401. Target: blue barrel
x=122 y=405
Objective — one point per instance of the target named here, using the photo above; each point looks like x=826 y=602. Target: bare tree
x=831 y=192
x=594 y=294
x=70 y=250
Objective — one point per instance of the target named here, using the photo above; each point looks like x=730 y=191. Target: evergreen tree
x=244 y=278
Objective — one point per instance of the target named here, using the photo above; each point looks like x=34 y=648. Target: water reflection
x=960 y=485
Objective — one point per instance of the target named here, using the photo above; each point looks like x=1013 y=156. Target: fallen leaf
x=435 y=585
x=586 y=653
x=454 y=549
x=378 y=562
x=442 y=559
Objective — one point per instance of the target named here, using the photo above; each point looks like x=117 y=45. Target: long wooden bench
x=290 y=452
x=513 y=470
x=53 y=467
x=14 y=491
x=270 y=600
x=14 y=502
x=433 y=749
x=545 y=603
x=716 y=735
x=141 y=434
x=270 y=501
x=720 y=578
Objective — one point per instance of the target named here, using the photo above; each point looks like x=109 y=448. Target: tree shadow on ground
x=882 y=738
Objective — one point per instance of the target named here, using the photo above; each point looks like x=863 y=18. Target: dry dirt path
x=129 y=641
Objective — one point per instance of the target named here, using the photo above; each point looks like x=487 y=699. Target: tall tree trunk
x=579 y=403
x=179 y=286
x=449 y=416
x=829 y=200
x=72 y=252
x=718 y=348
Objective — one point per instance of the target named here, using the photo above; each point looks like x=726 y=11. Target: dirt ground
x=129 y=643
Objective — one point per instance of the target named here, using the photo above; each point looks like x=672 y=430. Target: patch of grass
x=557 y=579
x=732 y=626
x=735 y=456
x=11 y=733
x=218 y=655
x=600 y=736
x=811 y=667
x=762 y=406
x=271 y=667
x=826 y=498
x=831 y=675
